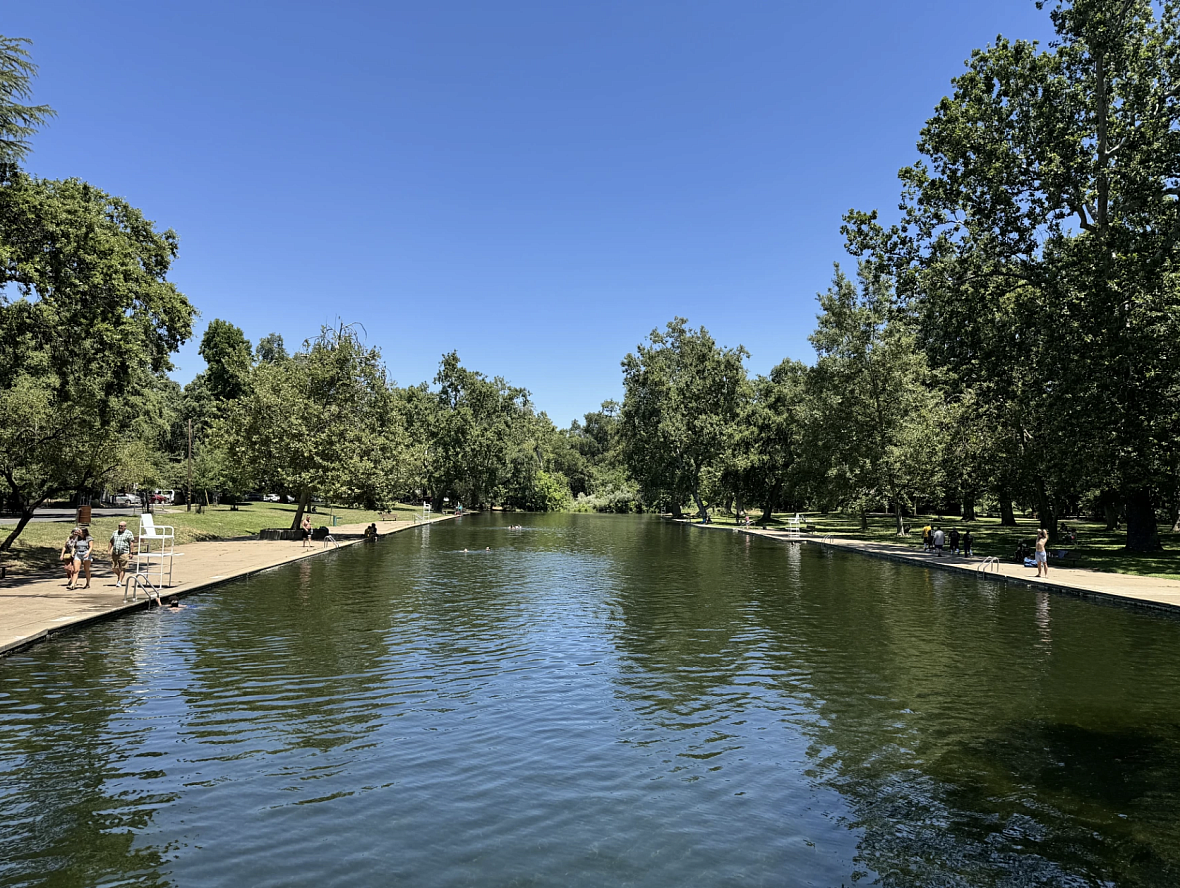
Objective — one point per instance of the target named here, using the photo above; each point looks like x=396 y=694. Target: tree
x=682 y=397
x=873 y=413
x=92 y=321
x=770 y=438
x=469 y=425
x=325 y=421
x=18 y=122
x=270 y=349
x=1052 y=182
x=226 y=351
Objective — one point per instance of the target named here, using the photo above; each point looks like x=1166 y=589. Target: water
x=597 y=700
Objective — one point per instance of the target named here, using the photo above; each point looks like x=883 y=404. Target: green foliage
x=325 y=421
x=88 y=321
x=18 y=121
x=1039 y=247
x=873 y=425
x=682 y=397
x=270 y=349
x=227 y=357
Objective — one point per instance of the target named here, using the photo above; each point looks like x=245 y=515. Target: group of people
x=935 y=539
x=77 y=555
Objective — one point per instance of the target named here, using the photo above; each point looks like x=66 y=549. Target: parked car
x=123 y=500
x=272 y=498
x=164 y=496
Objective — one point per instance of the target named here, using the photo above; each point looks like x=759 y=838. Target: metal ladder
x=991 y=563
x=138 y=581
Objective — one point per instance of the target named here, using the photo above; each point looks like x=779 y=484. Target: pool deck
x=1126 y=589
x=38 y=607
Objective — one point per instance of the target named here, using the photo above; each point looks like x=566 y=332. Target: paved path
x=1152 y=592
x=36 y=607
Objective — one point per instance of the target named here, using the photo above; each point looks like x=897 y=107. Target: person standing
x=968 y=542
x=306 y=528
x=954 y=541
x=939 y=541
x=119 y=548
x=67 y=556
x=1040 y=556
x=83 y=553
x=927 y=539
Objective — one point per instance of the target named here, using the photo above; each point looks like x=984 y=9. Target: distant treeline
x=1011 y=342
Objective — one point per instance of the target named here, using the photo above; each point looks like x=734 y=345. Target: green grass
x=1097 y=548
x=40 y=543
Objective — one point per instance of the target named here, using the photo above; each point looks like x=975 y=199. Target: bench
x=387 y=516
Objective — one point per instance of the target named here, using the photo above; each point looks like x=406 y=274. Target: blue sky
x=535 y=185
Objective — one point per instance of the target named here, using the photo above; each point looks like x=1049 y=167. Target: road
x=67 y=515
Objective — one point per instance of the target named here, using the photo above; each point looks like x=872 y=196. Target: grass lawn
x=40 y=543
x=1097 y=548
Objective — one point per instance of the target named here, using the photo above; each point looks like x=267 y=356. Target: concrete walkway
x=1150 y=592
x=37 y=607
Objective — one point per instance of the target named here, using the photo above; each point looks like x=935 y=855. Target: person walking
x=927 y=539
x=939 y=541
x=968 y=542
x=67 y=556
x=83 y=554
x=119 y=549
x=954 y=541
x=1040 y=556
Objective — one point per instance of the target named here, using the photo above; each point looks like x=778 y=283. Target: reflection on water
x=596 y=700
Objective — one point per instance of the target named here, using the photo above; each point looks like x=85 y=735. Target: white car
x=124 y=499
x=272 y=498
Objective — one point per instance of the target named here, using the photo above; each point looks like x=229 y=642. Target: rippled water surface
x=597 y=700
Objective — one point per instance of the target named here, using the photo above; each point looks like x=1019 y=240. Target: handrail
x=330 y=539
x=136 y=582
x=989 y=563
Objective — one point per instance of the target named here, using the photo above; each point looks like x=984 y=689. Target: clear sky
x=533 y=184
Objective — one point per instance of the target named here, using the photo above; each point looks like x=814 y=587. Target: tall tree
x=682 y=396
x=18 y=121
x=769 y=440
x=227 y=355
x=270 y=349
x=88 y=319
x=873 y=413
x=1052 y=178
x=325 y=421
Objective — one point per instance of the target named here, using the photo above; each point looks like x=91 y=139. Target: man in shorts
x=1040 y=556
x=119 y=548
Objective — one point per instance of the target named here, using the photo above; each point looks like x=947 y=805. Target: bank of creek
x=597 y=700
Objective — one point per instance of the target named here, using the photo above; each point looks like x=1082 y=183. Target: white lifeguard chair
x=157 y=547
x=794 y=526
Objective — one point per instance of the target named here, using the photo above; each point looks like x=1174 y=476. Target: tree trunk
x=767 y=511
x=26 y=515
x=968 y=507
x=304 y=499
x=675 y=510
x=1007 y=518
x=1110 y=510
x=1142 y=533
x=702 y=512
x=1045 y=510
x=864 y=520
x=900 y=519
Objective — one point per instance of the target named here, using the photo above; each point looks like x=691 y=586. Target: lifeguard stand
x=793 y=526
x=157 y=547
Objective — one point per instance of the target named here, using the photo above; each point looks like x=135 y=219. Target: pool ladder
x=139 y=581
x=991 y=563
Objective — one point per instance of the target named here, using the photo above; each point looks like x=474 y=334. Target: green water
x=597 y=700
